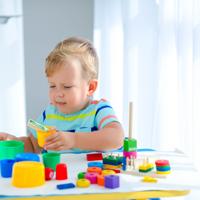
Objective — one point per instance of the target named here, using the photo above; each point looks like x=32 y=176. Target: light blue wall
x=46 y=22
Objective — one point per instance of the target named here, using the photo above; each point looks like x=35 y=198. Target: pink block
x=130 y=154
x=92 y=177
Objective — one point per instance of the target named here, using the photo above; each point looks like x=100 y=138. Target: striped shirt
x=94 y=117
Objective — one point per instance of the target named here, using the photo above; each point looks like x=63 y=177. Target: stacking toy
x=42 y=135
x=27 y=157
x=111 y=181
x=28 y=174
x=10 y=148
x=6 y=167
x=49 y=173
x=81 y=175
x=130 y=144
x=92 y=177
x=83 y=183
x=51 y=159
x=61 y=171
x=162 y=167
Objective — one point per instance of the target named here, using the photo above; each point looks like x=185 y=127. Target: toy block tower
x=130 y=144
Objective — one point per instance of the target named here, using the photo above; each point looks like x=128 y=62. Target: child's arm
x=107 y=138
x=30 y=143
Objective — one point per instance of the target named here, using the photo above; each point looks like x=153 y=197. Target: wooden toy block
x=130 y=154
x=95 y=164
x=112 y=160
x=163 y=173
x=61 y=171
x=160 y=163
x=81 y=175
x=94 y=169
x=94 y=156
x=146 y=167
x=130 y=144
x=149 y=179
x=162 y=167
x=107 y=172
x=65 y=186
x=83 y=183
x=100 y=180
x=49 y=174
x=106 y=166
x=92 y=177
x=112 y=181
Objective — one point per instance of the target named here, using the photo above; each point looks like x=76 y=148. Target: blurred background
x=149 y=53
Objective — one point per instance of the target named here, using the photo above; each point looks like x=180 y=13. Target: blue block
x=6 y=167
x=95 y=164
x=27 y=157
x=65 y=186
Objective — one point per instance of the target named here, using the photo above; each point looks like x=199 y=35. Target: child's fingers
x=52 y=137
x=53 y=146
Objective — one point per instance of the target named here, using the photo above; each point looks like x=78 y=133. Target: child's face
x=68 y=90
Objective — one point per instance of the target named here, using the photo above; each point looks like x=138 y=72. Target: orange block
x=100 y=180
x=97 y=170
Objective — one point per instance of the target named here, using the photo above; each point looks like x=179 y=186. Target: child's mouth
x=60 y=103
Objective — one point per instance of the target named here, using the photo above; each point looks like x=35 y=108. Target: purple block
x=111 y=181
x=92 y=177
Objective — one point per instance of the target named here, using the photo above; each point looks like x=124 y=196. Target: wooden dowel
x=130 y=120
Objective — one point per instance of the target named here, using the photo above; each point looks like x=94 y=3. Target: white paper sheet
x=181 y=178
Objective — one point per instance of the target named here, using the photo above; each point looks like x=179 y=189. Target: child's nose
x=60 y=93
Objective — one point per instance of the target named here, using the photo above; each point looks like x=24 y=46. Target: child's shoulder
x=99 y=102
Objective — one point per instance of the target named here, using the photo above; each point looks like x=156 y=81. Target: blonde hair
x=77 y=48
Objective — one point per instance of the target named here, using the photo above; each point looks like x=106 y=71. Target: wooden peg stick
x=130 y=120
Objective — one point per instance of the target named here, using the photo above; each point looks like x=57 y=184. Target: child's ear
x=92 y=86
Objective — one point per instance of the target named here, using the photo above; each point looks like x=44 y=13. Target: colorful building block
x=100 y=180
x=130 y=154
x=95 y=164
x=112 y=181
x=65 y=186
x=49 y=174
x=107 y=172
x=130 y=144
x=81 y=175
x=147 y=167
x=7 y=167
x=149 y=179
x=92 y=177
x=61 y=171
x=94 y=170
x=106 y=166
x=94 y=156
x=113 y=160
x=27 y=156
x=83 y=183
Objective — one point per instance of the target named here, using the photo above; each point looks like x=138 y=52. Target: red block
x=49 y=173
x=94 y=156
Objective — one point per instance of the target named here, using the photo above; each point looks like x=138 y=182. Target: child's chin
x=64 y=111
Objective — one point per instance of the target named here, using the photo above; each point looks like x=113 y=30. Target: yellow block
x=28 y=174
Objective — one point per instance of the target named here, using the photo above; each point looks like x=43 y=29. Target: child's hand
x=6 y=136
x=60 y=141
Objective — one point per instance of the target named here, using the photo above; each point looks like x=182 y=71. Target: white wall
x=12 y=102
x=46 y=22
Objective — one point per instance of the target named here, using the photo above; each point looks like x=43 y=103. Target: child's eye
x=67 y=87
x=52 y=86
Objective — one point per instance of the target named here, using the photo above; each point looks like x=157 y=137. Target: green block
x=130 y=145
x=112 y=160
x=81 y=175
